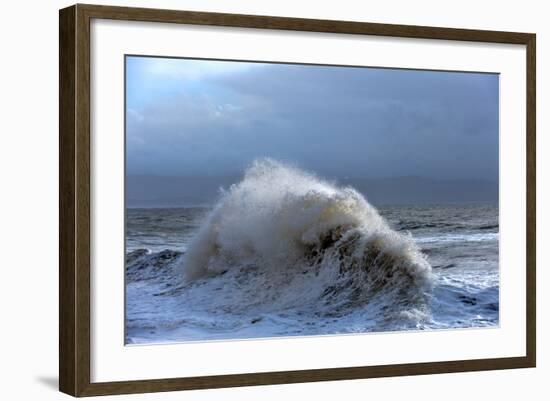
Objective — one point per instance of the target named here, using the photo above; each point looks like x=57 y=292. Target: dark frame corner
x=74 y=199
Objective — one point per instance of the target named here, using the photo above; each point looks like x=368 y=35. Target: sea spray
x=326 y=291
x=283 y=238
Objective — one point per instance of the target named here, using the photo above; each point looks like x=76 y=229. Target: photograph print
x=271 y=200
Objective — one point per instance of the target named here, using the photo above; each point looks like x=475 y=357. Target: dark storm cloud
x=208 y=118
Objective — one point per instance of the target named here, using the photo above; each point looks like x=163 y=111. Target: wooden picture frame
x=74 y=200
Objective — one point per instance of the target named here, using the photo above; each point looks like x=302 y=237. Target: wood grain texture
x=82 y=211
x=67 y=131
x=74 y=206
x=74 y=199
x=301 y=24
x=531 y=229
x=302 y=376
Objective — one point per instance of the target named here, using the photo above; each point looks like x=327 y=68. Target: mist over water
x=286 y=253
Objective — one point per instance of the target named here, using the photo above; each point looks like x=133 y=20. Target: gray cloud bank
x=363 y=125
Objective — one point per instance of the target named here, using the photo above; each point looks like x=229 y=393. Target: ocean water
x=284 y=253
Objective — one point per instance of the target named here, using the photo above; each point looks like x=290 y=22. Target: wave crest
x=287 y=223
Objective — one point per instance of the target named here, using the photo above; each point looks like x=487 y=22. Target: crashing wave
x=283 y=238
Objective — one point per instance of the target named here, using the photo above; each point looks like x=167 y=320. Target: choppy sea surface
x=315 y=260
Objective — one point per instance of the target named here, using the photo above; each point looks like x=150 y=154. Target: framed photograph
x=250 y=200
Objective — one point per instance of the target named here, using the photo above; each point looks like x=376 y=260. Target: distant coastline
x=171 y=192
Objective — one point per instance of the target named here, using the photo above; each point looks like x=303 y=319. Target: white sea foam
x=475 y=237
x=285 y=253
x=298 y=239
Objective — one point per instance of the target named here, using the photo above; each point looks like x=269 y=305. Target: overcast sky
x=196 y=118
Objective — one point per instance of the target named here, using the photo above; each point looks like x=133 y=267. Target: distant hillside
x=162 y=191
x=424 y=190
